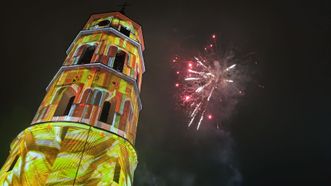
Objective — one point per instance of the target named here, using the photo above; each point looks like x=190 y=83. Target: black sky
x=279 y=135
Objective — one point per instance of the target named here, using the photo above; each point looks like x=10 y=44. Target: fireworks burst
x=209 y=85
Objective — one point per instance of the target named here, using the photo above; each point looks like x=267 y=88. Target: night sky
x=278 y=135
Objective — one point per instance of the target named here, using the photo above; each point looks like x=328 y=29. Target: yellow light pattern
x=53 y=153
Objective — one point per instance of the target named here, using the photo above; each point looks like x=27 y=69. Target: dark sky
x=279 y=135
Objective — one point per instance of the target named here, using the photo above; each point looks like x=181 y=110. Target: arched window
x=119 y=61
x=70 y=102
x=103 y=23
x=125 y=31
x=67 y=98
x=105 y=111
x=96 y=97
x=86 y=54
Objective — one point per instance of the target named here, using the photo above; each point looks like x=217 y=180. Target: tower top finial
x=123 y=7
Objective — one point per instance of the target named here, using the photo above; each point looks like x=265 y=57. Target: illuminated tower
x=84 y=130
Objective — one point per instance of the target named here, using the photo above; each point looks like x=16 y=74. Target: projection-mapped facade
x=84 y=130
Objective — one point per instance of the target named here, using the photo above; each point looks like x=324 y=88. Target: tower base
x=67 y=153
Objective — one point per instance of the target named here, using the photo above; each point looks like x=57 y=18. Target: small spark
x=191 y=79
x=230 y=67
x=229 y=80
x=187 y=98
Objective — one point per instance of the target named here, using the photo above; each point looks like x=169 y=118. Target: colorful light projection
x=64 y=153
x=85 y=128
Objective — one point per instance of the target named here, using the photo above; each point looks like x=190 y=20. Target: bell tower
x=84 y=130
